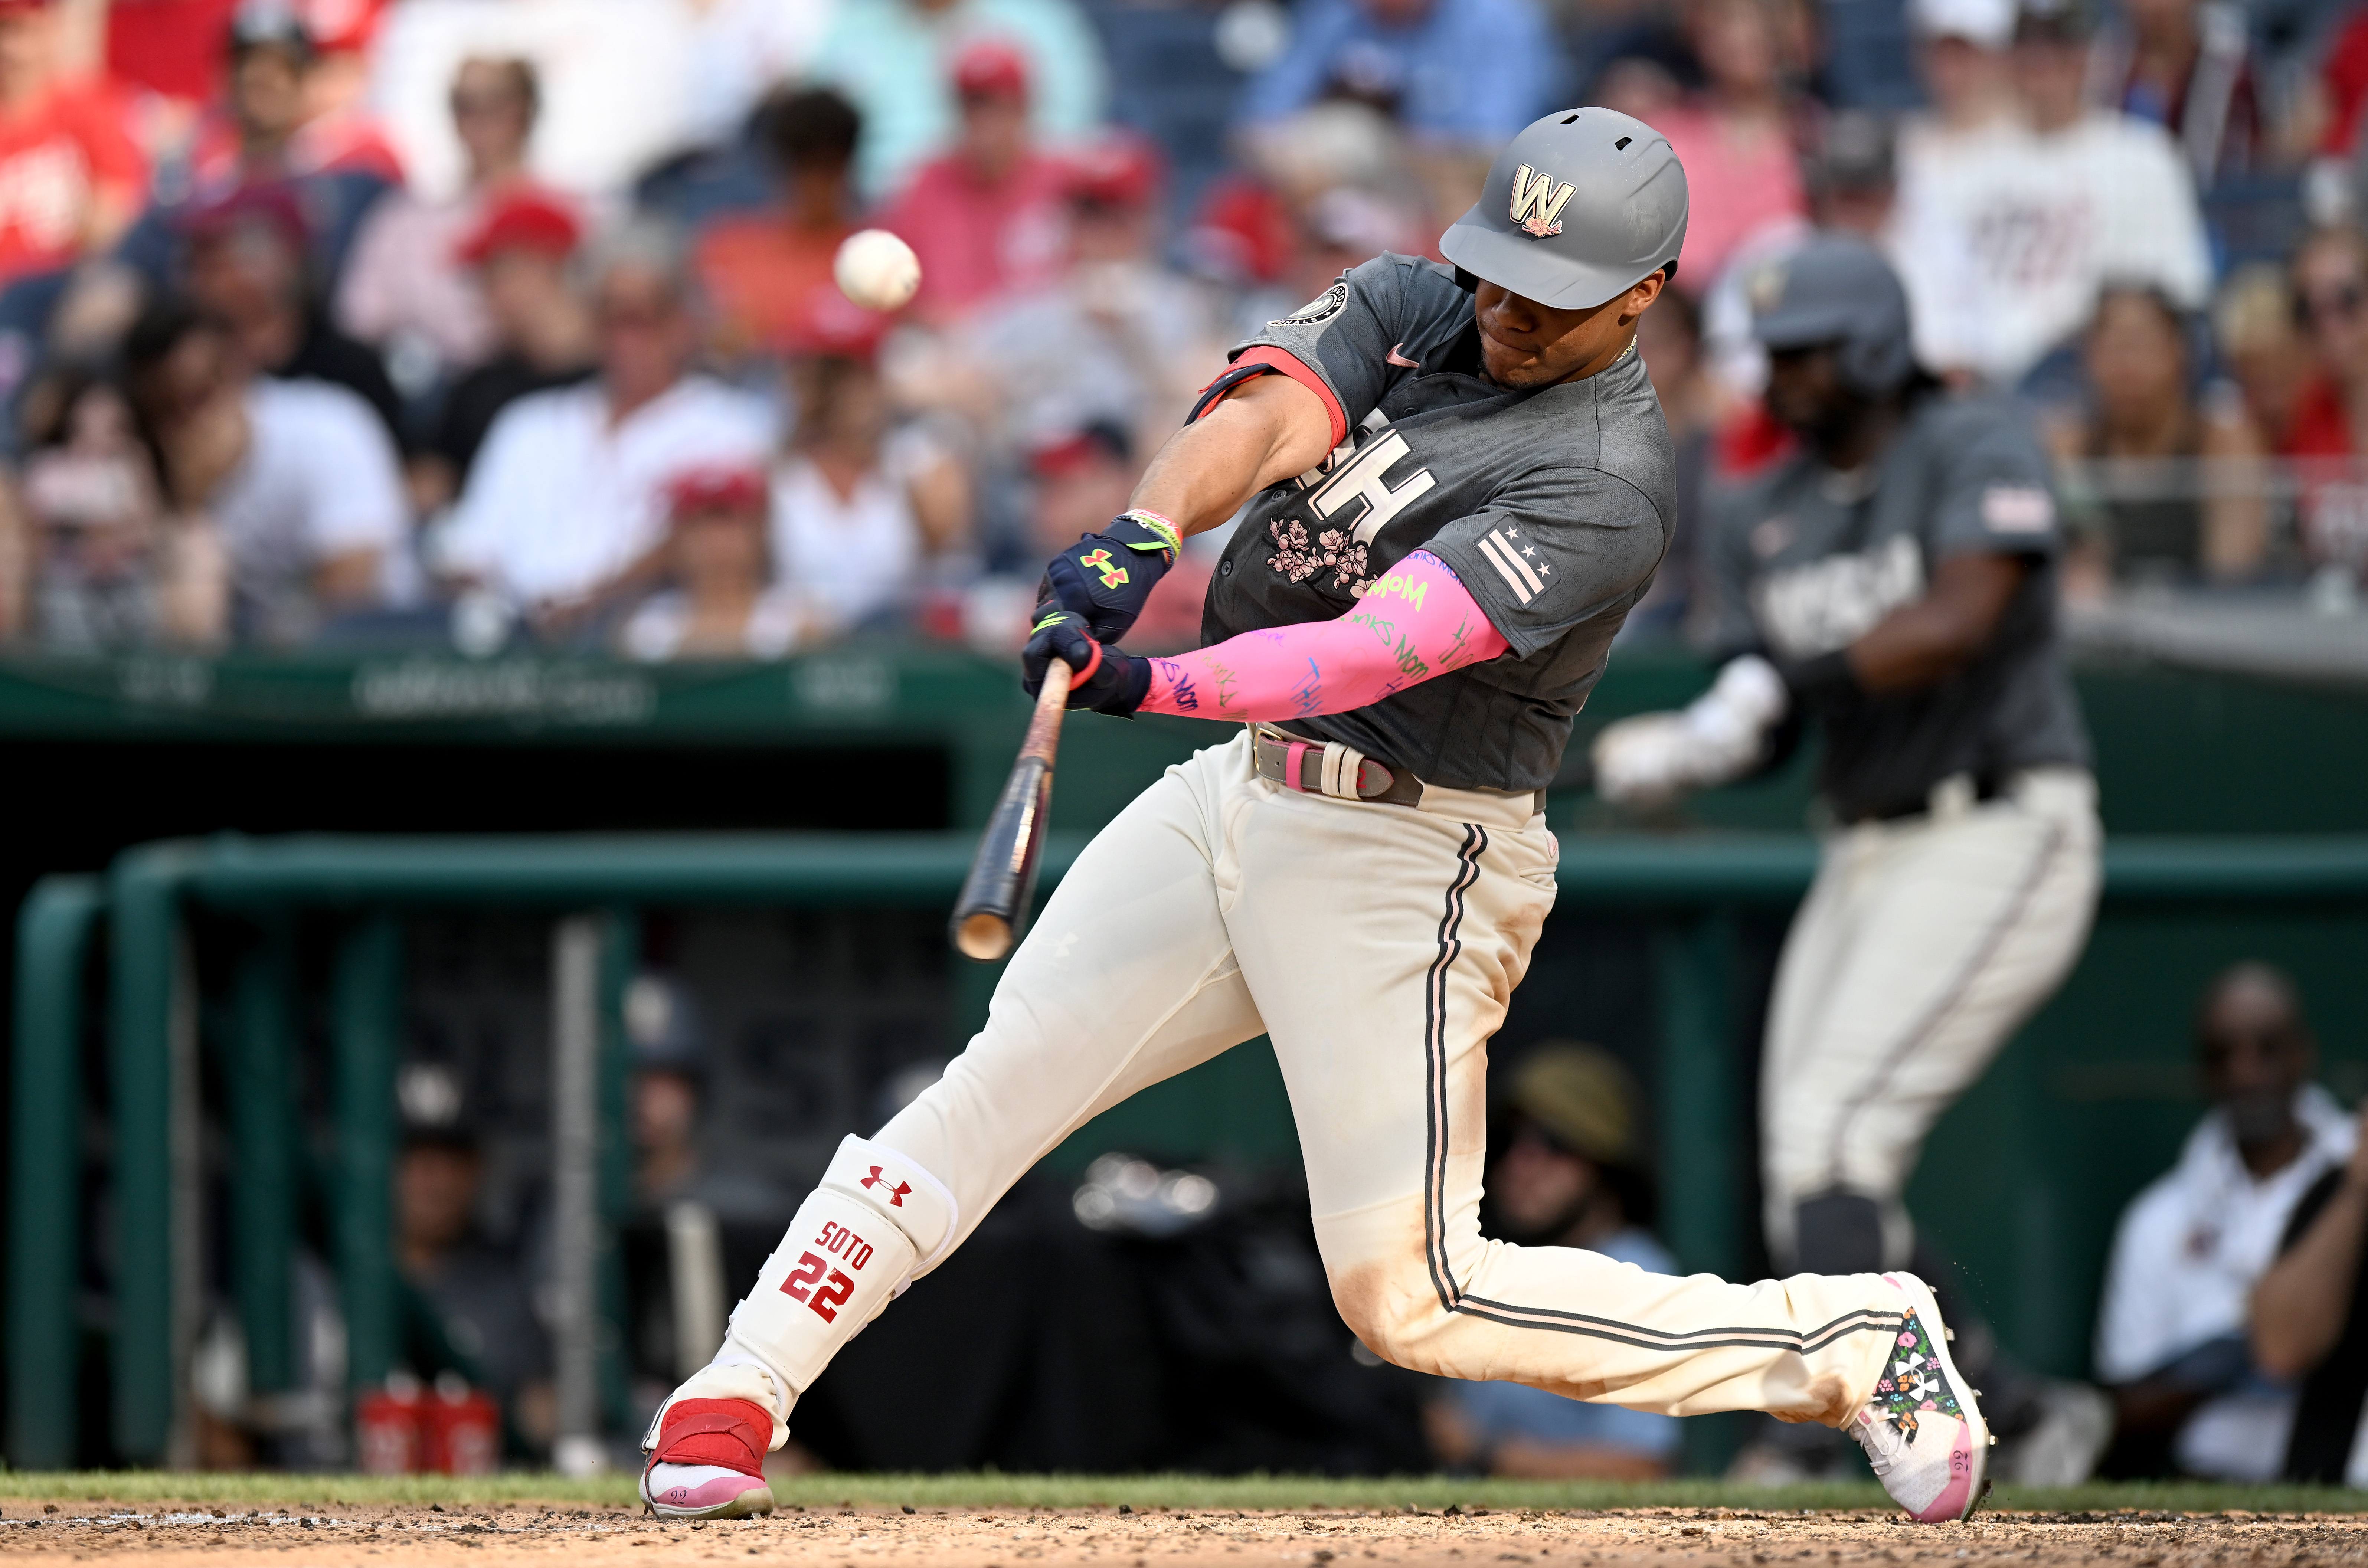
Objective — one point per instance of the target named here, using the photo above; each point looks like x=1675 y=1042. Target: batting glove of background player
x=1720 y=737
x=1106 y=680
x=1107 y=576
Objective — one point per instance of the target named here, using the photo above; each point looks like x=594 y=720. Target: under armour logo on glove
x=895 y=1194
x=1100 y=561
x=1106 y=577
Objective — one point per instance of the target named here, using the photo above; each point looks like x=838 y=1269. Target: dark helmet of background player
x=1578 y=207
x=1836 y=291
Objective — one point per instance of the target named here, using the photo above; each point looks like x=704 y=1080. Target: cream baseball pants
x=1376 y=946
x=1923 y=945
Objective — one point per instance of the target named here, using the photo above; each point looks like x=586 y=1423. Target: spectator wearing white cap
x=1960 y=50
x=1961 y=53
x=2004 y=235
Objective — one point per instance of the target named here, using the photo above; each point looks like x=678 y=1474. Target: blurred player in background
x=1895 y=581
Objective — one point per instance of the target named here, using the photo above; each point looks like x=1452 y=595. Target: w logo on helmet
x=895 y=1194
x=1538 y=202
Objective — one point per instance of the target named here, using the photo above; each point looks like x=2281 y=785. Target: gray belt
x=1334 y=768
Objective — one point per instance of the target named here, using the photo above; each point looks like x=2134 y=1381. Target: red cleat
x=710 y=1461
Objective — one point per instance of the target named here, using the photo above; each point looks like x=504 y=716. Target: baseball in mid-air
x=876 y=270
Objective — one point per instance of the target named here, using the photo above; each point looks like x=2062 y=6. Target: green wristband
x=1165 y=535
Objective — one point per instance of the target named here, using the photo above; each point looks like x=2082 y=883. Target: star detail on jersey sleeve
x=1511 y=562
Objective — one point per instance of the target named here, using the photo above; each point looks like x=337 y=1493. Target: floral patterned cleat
x=1923 y=1431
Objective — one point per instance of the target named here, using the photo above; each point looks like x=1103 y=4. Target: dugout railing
x=1693 y=888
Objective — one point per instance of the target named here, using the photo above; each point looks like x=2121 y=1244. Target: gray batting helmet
x=1580 y=205
x=1837 y=289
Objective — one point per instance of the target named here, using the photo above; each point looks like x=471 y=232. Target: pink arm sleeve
x=1416 y=622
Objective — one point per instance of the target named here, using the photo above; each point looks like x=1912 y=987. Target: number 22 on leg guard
x=837 y=1239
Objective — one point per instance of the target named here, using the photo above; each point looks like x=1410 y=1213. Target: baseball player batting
x=1895 y=582
x=1458 y=483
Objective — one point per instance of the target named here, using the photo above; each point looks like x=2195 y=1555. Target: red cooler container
x=461 y=1429
x=387 y=1428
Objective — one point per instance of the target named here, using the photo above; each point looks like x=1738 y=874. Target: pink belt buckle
x=1292 y=776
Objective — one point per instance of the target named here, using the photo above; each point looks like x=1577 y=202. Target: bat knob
x=983 y=936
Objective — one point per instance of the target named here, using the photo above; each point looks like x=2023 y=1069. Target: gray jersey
x=1804 y=561
x=1552 y=506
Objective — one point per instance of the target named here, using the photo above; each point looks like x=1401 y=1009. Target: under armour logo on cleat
x=895 y=1194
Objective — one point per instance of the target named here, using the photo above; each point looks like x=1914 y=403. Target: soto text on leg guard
x=876 y=1219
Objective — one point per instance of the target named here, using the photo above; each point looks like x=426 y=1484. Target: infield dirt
x=485 y=1536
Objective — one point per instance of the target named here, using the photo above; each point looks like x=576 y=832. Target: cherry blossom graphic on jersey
x=1298 y=561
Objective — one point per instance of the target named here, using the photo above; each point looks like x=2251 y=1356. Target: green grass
x=1143 y=1491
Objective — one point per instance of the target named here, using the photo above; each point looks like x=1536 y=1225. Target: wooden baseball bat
x=993 y=909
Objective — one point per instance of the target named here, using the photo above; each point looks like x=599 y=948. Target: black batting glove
x=1106 y=680
x=1107 y=576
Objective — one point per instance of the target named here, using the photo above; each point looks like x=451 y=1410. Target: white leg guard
x=859 y=1237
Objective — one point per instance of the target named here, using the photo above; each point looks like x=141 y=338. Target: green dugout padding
x=2024 y=1179
x=2178 y=751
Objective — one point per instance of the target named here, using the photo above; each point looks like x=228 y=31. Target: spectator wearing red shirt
x=2343 y=88
x=2330 y=283
x=1118 y=335
x=2330 y=417
x=71 y=178
x=767 y=274
x=988 y=218
x=1738 y=139
x=171 y=48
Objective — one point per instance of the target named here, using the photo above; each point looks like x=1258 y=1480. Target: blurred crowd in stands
x=497 y=324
